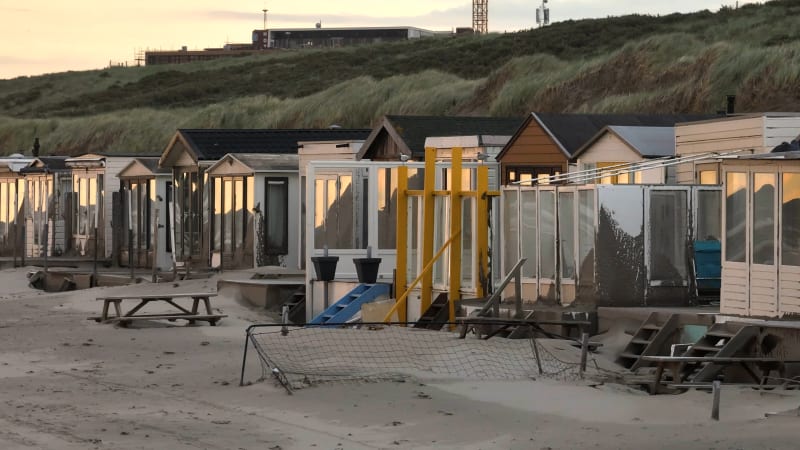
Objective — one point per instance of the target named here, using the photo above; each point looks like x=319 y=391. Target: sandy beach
x=70 y=383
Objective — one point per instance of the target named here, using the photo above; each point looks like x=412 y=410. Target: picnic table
x=677 y=363
x=180 y=312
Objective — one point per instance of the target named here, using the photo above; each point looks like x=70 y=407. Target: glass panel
x=414 y=205
x=736 y=217
x=566 y=228
x=277 y=217
x=586 y=234
x=239 y=212
x=790 y=220
x=619 y=246
x=528 y=227
x=345 y=232
x=216 y=243
x=709 y=215
x=668 y=229
x=467 y=256
x=133 y=220
x=510 y=229
x=763 y=238
x=547 y=234
x=441 y=234
x=709 y=177
x=228 y=216
x=387 y=208
x=319 y=213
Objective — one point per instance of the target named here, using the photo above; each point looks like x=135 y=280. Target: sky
x=45 y=36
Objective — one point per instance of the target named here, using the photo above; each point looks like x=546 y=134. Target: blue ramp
x=347 y=307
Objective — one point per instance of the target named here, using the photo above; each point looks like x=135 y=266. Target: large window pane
x=566 y=225
x=790 y=220
x=547 y=234
x=709 y=214
x=387 y=208
x=277 y=223
x=467 y=256
x=586 y=234
x=763 y=239
x=736 y=217
x=510 y=229
x=528 y=226
x=668 y=231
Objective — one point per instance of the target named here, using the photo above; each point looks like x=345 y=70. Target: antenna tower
x=480 y=16
x=543 y=15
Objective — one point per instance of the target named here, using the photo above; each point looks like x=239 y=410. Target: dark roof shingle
x=213 y=144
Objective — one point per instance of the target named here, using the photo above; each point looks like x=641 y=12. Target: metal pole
x=584 y=351
x=536 y=349
x=46 y=233
x=716 y=386
x=244 y=356
x=155 y=249
x=285 y=320
x=94 y=268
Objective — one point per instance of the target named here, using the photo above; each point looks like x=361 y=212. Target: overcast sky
x=41 y=36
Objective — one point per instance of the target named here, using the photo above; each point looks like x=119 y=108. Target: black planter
x=325 y=267
x=367 y=269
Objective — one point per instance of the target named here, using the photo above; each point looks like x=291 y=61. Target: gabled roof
x=648 y=142
x=410 y=132
x=213 y=144
x=45 y=164
x=260 y=162
x=149 y=164
x=571 y=131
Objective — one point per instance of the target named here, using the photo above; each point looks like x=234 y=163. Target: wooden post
x=584 y=351
x=716 y=386
x=455 y=227
x=536 y=349
x=402 y=239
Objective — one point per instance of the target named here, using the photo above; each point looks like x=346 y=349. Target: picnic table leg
x=118 y=308
x=195 y=303
x=208 y=305
x=104 y=315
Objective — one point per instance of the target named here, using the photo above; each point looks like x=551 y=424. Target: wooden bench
x=676 y=364
x=192 y=314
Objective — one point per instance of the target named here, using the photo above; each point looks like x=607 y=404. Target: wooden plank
x=157 y=296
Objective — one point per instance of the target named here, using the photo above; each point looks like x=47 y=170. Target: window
x=230 y=216
x=586 y=234
x=566 y=233
x=709 y=210
x=763 y=238
x=735 y=217
x=528 y=226
x=708 y=177
x=526 y=173
x=276 y=216
x=510 y=229
x=790 y=220
x=334 y=213
x=387 y=208
x=668 y=232
x=547 y=234
x=188 y=190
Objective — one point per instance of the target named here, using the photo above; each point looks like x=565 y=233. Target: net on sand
x=302 y=356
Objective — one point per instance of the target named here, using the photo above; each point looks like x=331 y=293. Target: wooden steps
x=649 y=339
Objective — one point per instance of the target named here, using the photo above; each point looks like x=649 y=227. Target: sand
x=70 y=383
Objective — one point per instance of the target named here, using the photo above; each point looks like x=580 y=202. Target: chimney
x=731 y=104
x=36 y=147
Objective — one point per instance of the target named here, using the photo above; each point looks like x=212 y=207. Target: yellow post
x=455 y=226
x=428 y=223
x=482 y=226
x=402 y=238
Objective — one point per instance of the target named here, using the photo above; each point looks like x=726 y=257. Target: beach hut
x=605 y=244
x=745 y=134
x=146 y=231
x=191 y=152
x=546 y=143
x=48 y=207
x=256 y=198
x=616 y=150
x=12 y=194
x=761 y=236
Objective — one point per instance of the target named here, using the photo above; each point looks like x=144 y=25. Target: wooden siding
x=733 y=294
x=763 y=291
x=780 y=129
x=533 y=147
x=789 y=290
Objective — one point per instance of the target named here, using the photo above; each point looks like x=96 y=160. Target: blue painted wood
x=347 y=307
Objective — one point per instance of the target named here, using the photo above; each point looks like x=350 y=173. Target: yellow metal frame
x=428 y=194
